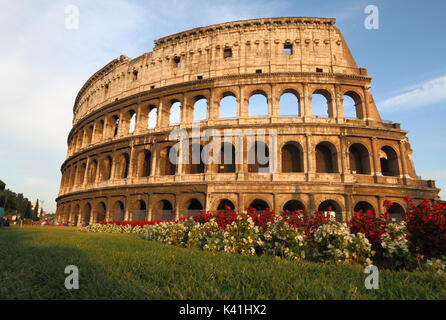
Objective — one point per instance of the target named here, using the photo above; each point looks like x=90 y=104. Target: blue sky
x=43 y=65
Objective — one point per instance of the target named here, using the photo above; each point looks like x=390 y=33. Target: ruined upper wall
x=256 y=44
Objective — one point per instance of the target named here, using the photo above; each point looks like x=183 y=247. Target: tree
x=36 y=211
x=28 y=211
x=2 y=185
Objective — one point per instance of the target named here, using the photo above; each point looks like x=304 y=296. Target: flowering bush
x=395 y=243
x=173 y=233
x=427 y=228
x=241 y=236
x=436 y=265
x=334 y=242
x=367 y=224
x=112 y=228
x=282 y=239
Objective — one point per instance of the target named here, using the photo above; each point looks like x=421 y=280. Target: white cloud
x=421 y=95
x=34 y=181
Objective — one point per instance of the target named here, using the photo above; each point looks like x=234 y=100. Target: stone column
x=375 y=157
x=306 y=99
x=402 y=149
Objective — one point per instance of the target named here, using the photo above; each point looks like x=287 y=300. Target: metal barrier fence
x=164 y=215
x=138 y=215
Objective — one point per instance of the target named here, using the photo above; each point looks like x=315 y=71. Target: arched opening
x=164 y=211
x=143 y=163
x=115 y=125
x=326 y=158
x=396 y=213
x=352 y=105
x=320 y=103
x=75 y=215
x=118 y=211
x=175 y=113
x=140 y=211
x=258 y=158
x=363 y=207
x=82 y=170
x=167 y=168
x=227 y=158
x=87 y=215
x=258 y=104
x=259 y=206
x=152 y=118
x=389 y=162
x=225 y=204
x=100 y=212
x=106 y=167
x=293 y=206
x=132 y=125
x=292 y=158
x=196 y=164
x=289 y=104
x=331 y=208
x=200 y=109
x=92 y=168
x=228 y=106
x=194 y=207
x=359 y=159
x=123 y=166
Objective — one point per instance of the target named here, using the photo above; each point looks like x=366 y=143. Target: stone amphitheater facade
x=118 y=166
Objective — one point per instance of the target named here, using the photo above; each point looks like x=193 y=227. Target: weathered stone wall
x=114 y=172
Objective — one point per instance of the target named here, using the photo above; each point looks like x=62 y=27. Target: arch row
x=278 y=101
x=299 y=154
x=155 y=207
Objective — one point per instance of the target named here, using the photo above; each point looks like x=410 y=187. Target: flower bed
x=417 y=242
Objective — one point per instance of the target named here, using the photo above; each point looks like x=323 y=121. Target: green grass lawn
x=123 y=266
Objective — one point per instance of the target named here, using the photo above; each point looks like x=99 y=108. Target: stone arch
x=321 y=104
x=359 y=159
x=131 y=115
x=115 y=123
x=258 y=158
x=174 y=112
x=228 y=106
x=92 y=169
x=326 y=158
x=81 y=173
x=164 y=210
x=166 y=167
x=292 y=157
x=122 y=168
x=106 y=168
x=363 y=206
x=196 y=164
x=396 y=212
x=200 y=108
x=100 y=212
x=289 y=103
x=258 y=104
x=332 y=208
x=118 y=211
x=143 y=163
x=293 y=206
x=139 y=212
x=227 y=158
x=75 y=215
x=259 y=205
x=389 y=162
x=354 y=106
x=193 y=207
x=86 y=214
x=224 y=203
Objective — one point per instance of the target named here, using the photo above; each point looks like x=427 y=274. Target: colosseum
x=222 y=91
